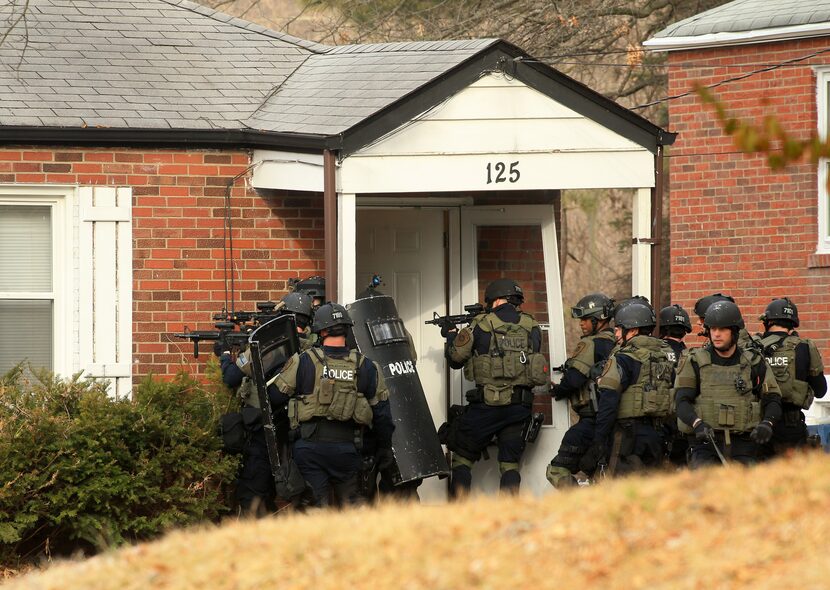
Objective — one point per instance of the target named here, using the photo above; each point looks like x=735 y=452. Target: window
x=35 y=269
x=823 y=107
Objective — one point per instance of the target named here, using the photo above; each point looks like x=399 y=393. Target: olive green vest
x=510 y=360
x=779 y=350
x=651 y=394
x=726 y=400
x=335 y=395
x=583 y=361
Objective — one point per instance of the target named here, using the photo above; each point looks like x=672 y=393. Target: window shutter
x=106 y=286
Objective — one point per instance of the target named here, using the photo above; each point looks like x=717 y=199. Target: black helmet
x=723 y=314
x=298 y=304
x=634 y=299
x=781 y=309
x=504 y=289
x=329 y=315
x=314 y=287
x=635 y=315
x=675 y=315
x=704 y=302
x=594 y=305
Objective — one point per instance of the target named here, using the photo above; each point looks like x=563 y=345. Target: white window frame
x=61 y=201
x=823 y=211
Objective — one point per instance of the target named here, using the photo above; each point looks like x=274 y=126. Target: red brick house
x=137 y=138
x=737 y=227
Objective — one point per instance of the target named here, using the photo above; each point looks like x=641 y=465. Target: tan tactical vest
x=651 y=394
x=779 y=350
x=726 y=400
x=335 y=395
x=510 y=360
x=583 y=361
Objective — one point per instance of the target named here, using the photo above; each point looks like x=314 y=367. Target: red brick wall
x=178 y=208
x=737 y=227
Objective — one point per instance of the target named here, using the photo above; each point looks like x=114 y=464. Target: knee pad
x=559 y=477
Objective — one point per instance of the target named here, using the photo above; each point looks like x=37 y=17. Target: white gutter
x=737 y=38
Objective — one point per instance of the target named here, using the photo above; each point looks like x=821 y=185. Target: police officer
x=314 y=287
x=578 y=379
x=674 y=326
x=796 y=364
x=745 y=340
x=634 y=396
x=255 y=482
x=499 y=351
x=726 y=395
x=335 y=393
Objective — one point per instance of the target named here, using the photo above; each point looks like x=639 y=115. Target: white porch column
x=641 y=248
x=346 y=247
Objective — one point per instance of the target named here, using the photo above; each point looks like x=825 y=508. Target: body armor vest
x=651 y=394
x=726 y=400
x=779 y=350
x=582 y=399
x=335 y=395
x=510 y=360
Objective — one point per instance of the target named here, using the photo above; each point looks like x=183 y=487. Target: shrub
x=83 y=471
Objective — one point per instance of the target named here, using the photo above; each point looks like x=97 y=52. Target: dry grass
x=721 y=528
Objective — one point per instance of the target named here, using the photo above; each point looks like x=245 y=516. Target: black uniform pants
x=255 y=479
x=329 y=466
x=575 y=443
x=741 y=450
x=638 y=446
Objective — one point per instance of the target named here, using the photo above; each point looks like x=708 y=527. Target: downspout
x=330 y=223
x=657 y=231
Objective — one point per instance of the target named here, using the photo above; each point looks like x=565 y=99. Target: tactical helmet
x=503 y=288
x=314 y=287
x=723 y=314
x=781 y=309
x=329 y=315
x=704 y=302
x=635 y=315
x=594 y=305
x=675 y=315
x=634 y=299
x=298 y=304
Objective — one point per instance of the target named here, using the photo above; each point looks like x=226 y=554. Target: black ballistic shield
x=271 y=345
x=380 y=335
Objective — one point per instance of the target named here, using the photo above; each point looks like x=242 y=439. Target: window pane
x=33 y=333
x=25 y=248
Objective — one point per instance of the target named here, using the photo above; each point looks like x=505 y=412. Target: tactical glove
x=593 y=457
x=447 y=328
x=761 y=433
x=558 y=393
x=703 y=431
x=218 y=348
x=384 y=458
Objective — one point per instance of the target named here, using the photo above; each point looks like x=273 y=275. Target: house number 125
x=499 y=172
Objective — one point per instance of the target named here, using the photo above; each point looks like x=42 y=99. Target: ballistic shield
x=380 y=336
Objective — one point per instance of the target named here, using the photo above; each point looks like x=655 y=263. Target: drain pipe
x=657 y=231
x=330 y=223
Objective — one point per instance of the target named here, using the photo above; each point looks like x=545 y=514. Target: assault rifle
x=226 y=333
x=463 y=318
x=266 y=310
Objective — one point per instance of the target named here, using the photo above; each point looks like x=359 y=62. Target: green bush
x=80 y=471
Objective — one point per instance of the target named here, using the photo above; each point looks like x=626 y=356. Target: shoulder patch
x=606 y=367
x=580 y=346
x=463 y=338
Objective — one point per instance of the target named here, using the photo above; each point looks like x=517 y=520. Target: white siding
x=497 y=121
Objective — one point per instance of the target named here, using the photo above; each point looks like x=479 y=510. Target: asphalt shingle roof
x=750 y=15
x=174 y=64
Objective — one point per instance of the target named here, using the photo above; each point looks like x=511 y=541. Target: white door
x=405 y=246
x=519 y=242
